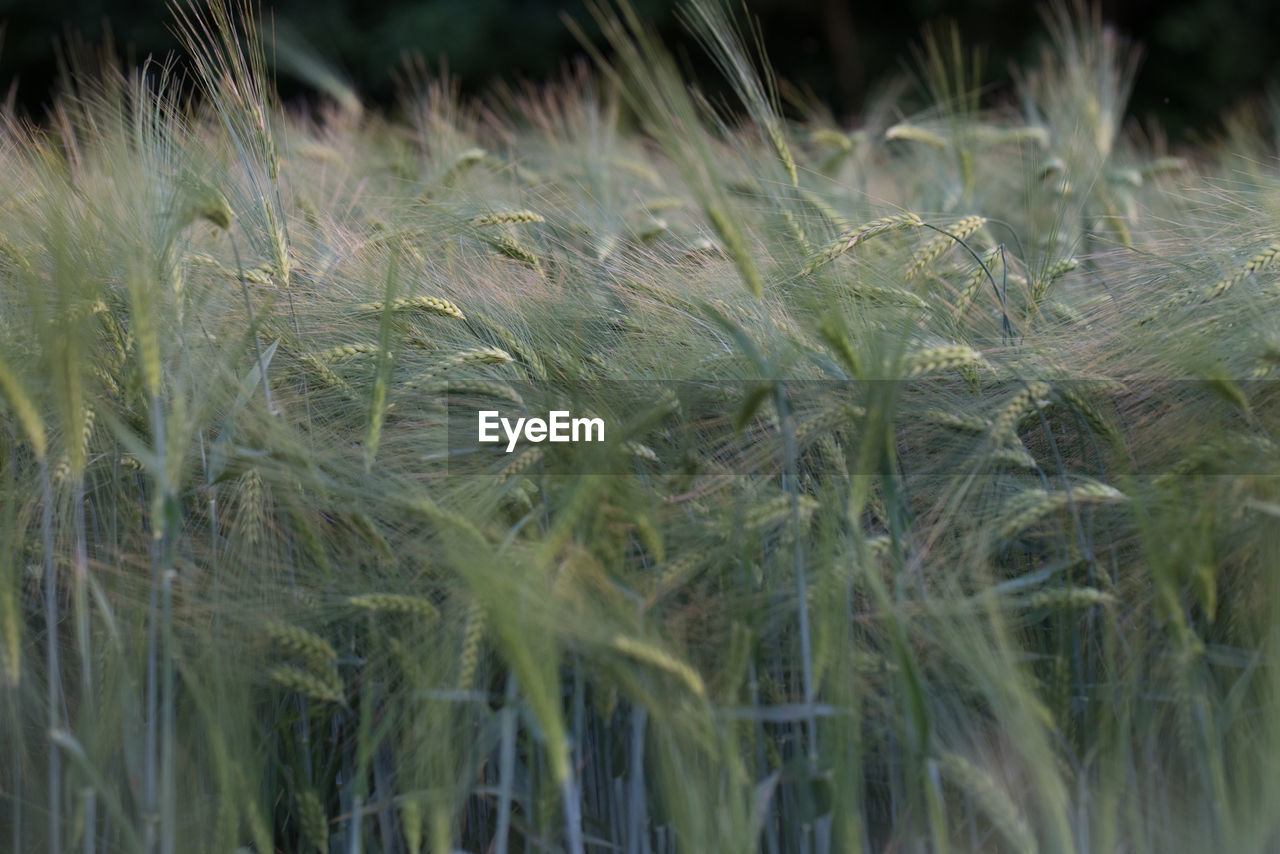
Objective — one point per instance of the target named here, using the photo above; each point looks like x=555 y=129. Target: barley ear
x=23 y=408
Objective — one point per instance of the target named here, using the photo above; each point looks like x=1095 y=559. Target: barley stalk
x=662 y=660
x=1067 y=598
x=934 y=249
x=464 y=162
x=1041 y=286
x=830 y=138
x=478 y=356
x=345 y=351
x=993 y=799
x=854 y=236
x=915 y=133
x=1261 y=261
x=395 y=603
x=958 y=421
x=315 y=649
x=326 y=374
x=777 y=511
x=513 y=217
x=782 y=150
x=431 y=305
x=521 y=464
x=307 y=683
x=1034 y=504
x=1008 y=418
x=312 y=820
x=517 y=251
x=676 y=574
x=23 y=407
x=972 y=284
x=472 y=639
x=10 y=621
x=941 y=359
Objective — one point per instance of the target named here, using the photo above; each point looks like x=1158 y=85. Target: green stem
x=54 y=675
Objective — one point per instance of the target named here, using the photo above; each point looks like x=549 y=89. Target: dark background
x=1200 y=56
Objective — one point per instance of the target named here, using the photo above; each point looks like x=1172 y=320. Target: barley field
x=937 y=508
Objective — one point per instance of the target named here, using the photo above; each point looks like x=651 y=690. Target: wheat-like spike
x=432 y=305
x=726 y=228
x=521 y=464
x=958 y=421
x=478 y=356
x=1261 y=261
x=107 y=378
x=463 y=163
x=993 y=799
x=10 y=621
x=411 y=821
x=315 y=649
x=915 y=133
x=794 y=228
x=307 y=683
x=259 y=276
x=312 y=821
x=933 y=250
x=345 y=351
x=86 y=429
x=512 y=343
x=259 y=829
x=326 y=374
x=662 y=660
x=472 y=638
x=82 y=310
x=639 y=451
x=395 y=603
x=879 y=545
x=830 y=138
x=941 y=359
x=1034 y=504
x=1086 y=410
x=887 y=296
x=1060 y=598
x=252 y=509
x=515 y=217
x=676 y=574
x=989 y=135
x=143 y=330
x=822 y=424
x=23 y=407
x=1006 y=421
x=120 y=338
x=975 y=280
x=204 y=259
x=638 y=168
x=517 y=252
x=1041 y=286
x=1016 y=456
x=778 y=510
x=782 y=150
x=854 y=236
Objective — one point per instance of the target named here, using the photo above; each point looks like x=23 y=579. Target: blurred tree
x=1202 y=55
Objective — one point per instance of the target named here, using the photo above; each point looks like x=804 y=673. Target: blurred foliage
x=1202 y=56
